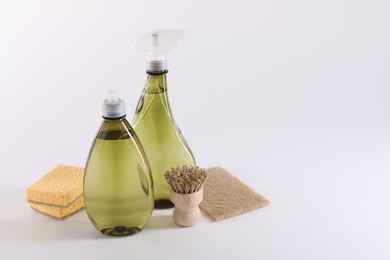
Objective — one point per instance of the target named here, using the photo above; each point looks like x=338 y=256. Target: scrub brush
x=186 y=193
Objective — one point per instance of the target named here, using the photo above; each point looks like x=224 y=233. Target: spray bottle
x=153 y=121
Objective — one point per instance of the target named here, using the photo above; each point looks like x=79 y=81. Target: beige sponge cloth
x=225 y=196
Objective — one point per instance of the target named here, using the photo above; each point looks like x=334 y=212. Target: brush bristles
x=184 y=179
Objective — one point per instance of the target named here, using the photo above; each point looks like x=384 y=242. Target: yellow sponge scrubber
x=58 y=193
x=57 y=211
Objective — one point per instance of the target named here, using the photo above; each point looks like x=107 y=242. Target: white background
x=292 y=97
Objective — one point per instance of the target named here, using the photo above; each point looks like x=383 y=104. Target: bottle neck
x=114 y=129
x=110 y=119
x=156 y=82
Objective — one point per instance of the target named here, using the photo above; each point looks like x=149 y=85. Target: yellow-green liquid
x=117 y=185
x=162 y=140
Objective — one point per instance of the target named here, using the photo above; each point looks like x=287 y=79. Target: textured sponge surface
x=60 y=186
x=225 y=196
x=58 y=211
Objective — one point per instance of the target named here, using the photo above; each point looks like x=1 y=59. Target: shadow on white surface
x=161 y=219
x=22 y=224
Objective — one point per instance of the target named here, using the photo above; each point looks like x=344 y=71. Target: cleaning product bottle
x=118 y=188
x=153 y=121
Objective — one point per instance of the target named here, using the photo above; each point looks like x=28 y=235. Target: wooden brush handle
x=187 y=212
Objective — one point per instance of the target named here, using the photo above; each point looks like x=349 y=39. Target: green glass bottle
x=163 y=142
x=118 y=189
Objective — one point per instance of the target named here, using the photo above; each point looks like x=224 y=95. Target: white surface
x=292 y=97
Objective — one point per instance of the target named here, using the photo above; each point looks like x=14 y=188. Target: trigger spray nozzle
x=157 y=44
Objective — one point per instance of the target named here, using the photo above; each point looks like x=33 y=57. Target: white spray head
x=113 y=106
x=157 y=44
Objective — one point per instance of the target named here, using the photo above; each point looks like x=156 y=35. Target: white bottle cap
x=113 y=107
x=156 y=63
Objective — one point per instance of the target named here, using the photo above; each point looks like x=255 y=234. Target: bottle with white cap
x=153 y=121
x=118 y=190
